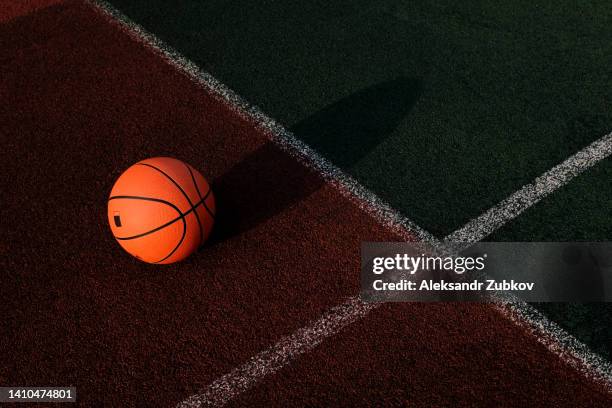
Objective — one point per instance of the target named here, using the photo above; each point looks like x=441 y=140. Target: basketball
x=161 y=210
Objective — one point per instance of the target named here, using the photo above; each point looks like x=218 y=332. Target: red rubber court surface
x=12 y=9
x=428 y=355
x=82 y=102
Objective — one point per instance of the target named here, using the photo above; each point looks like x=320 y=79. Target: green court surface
x=580 y=211
x=443 y=109
x=478 y=97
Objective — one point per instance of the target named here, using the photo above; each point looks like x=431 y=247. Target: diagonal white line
x=482 y=226
x=345 y=184
x=557 y=340
x=570 y=350
x=271 y=360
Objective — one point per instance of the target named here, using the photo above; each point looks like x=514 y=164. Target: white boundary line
x=271 y=360
x=480 y=227
x=348 y=186
x=558 y=341
x=279 y=355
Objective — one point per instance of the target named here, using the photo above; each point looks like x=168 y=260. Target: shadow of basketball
x=269 y=180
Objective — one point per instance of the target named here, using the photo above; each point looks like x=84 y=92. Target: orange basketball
x=160 y=210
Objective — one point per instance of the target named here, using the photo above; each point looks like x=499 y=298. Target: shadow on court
x=269 y=180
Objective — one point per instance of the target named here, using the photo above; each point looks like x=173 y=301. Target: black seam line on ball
x=199 y=195
x=204 y=203
x=177 y=245
x=209 y=211
x=157 y=200
x=180 y=189
x=182 y=215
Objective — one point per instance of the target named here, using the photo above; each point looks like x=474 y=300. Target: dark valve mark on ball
x=117 y=219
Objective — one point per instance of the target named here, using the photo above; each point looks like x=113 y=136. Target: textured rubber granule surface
x=428 y=355
x=13 y=9
x=83 y=101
